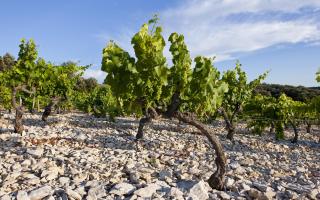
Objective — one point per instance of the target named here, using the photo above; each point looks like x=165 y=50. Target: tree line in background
x=145 y=86
x=297 y=93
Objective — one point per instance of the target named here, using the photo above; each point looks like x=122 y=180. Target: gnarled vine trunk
x=46 y=112
x=48 y=109
x=229 y=124
x=308 y=127
x=151 y=113
x=18 y=123
x=272 y=128
x=231 y=132
x=296 y=133
x=216 y=180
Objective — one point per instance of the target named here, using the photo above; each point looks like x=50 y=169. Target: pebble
x=229 y=182
x=72 y=194
x=224 y=195
x=259 y=186
x=121 y=189
x=22 y=195
x=147 y=191
x=199 y=191
x=37 y=152
x=254 y=193
x=64 y=180
x=40 y=193
x=176 y=193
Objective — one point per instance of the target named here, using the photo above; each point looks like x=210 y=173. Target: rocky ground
x=76 y=156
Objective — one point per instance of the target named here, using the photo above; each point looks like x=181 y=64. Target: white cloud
x=248 y=36
x=95 y=73
x=221 y=8
x=209 y=31
x=221 y=28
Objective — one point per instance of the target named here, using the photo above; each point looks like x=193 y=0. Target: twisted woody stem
x=18 y=123
x=216 y=180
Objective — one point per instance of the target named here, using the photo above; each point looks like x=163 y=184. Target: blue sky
x=282 y=36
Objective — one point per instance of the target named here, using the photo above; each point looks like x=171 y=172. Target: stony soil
x=76 y=156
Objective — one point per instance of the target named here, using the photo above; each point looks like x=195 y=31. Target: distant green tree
x=7 y=61
x=86 y=84
x=297 y=93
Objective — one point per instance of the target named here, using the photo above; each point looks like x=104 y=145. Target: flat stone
x=269 y=194
x=224 y=195
x=164 y=173
x=254 y=193
x=92 y=196
x=229 y=182
x=26 y=162
x=185 y=185
x=314 y=194
x=234 y=165
x=148 y=191
x=298 y=188
x=240 y=170
x=259 y=186
x=247 y=162
x=245 y=186
x=93 y=183
x=99 y=191
x=80 y=136
x=32 y=181
x=35 y=152
x=5 y=197
x=80 y=190
x=199 y=191
x=79 y=178
x=50 y=175
x=122 y=189
x=40 y=193
x=16 y=167
x=134 y=177
x=64 y=180
x=286 y=195
x=301 y=169
x=176 y=193
x=72 y=194
x=22 y=195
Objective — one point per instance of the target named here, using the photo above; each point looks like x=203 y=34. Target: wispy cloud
x=222 y=8
x=225 y=27
x=95 y=73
